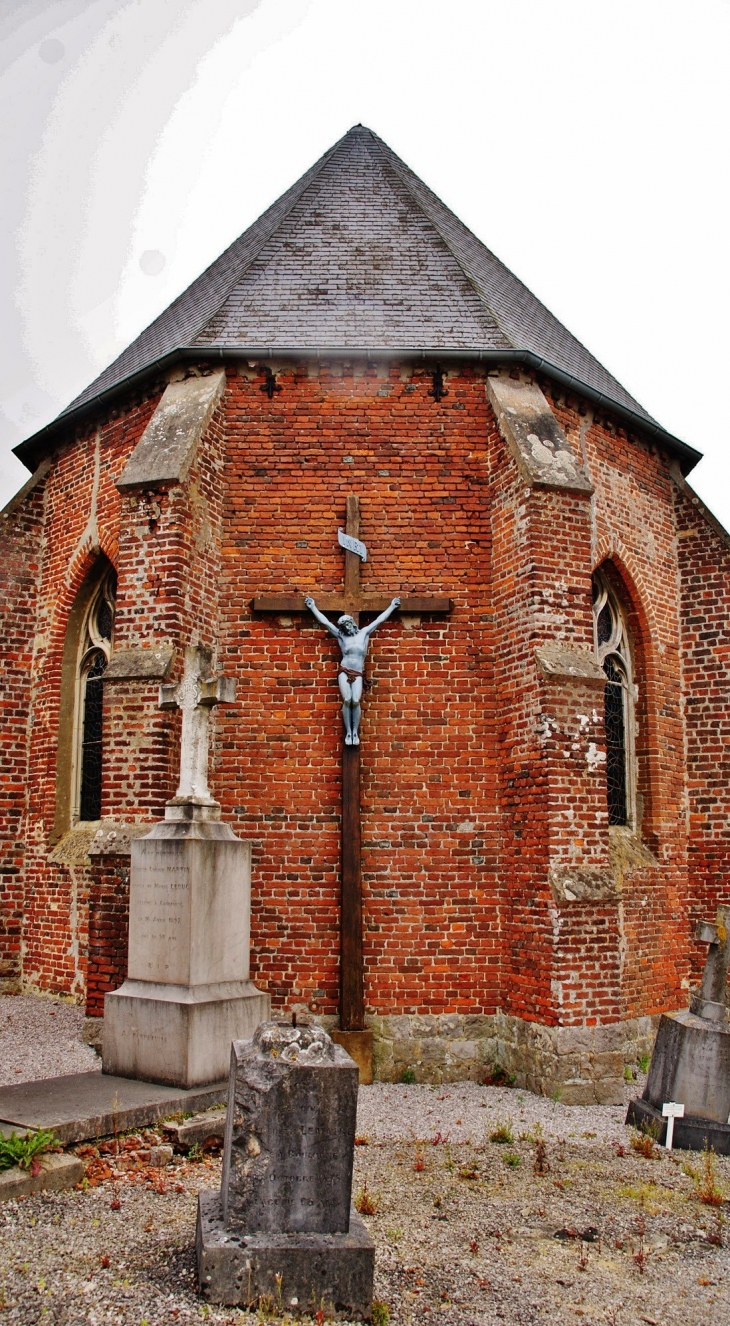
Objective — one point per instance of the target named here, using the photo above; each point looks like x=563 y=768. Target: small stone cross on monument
x=710 y=1000
x=196 y=695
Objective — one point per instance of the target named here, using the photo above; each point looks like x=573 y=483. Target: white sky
x=585 y=141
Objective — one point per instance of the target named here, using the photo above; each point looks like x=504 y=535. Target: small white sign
x=352 y=544
x=671 y=1111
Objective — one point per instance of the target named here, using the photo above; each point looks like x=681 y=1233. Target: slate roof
x=360 y=255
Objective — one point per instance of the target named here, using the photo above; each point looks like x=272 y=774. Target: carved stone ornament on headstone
x=187 y=994
x=691 y=1060
x=282 y=1223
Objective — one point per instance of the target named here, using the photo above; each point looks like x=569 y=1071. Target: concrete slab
x=56 y=1174
x=83 y=1105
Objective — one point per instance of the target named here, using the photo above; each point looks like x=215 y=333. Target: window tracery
x=94 y=652
x=613 y=651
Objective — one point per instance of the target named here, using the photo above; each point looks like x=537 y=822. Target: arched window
x=613 y=651
x=94 y=651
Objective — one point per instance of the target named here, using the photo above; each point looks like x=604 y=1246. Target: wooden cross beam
x=351 y=600
x=354 y=602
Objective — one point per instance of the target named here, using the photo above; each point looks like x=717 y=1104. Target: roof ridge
x=391 y=161
x=416 y=186
x=306 y=180
x=275 y=218
x=402 y=171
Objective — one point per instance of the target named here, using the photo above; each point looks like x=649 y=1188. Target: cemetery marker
x=671 y=1111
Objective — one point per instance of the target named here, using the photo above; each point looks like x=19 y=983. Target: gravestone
x=187 y=994
x=690 y=1065
x=282 y=1225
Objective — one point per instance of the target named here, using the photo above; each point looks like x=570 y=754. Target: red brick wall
x=108 y=930
x=429 y=791
x=21 y=552
x=634 y=530
x=704 y=564
x=81 y=516
x=476 y=777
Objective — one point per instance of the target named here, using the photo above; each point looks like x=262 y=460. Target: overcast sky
x=585 y=141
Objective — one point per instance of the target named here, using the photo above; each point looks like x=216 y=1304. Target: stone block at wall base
x=582 y=1065
x=92 y=1033
x=359 y=1046
x=329 y=1271
x=179 y=1036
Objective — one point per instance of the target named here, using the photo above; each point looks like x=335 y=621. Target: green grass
x=23 y=1151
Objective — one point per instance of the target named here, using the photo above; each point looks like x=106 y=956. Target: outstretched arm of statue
x=383 y=617
x=323 y=621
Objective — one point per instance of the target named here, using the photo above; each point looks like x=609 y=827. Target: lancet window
x=94 y=651
x=613 y=651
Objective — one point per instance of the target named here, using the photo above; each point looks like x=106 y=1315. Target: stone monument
x=691 y=1060
x=282 y=1225
x=187 y=994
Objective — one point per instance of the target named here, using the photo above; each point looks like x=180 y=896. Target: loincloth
x=352 y=674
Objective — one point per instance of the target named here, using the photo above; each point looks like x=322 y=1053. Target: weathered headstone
x=282 y=1225
x=187 y=994
x=691 y=1060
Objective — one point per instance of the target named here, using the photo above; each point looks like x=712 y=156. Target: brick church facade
x=544 y=767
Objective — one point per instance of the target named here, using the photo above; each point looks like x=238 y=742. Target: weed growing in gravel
x=502 y=1132
x=541 y=1164
x=419 y=1162
x=644 y=1143
x=705 y=1180
x=366 y=1202
x=408 y=1076
x=25 y=1151
x=381 y=1313
x=628 y=1073
x=640 y=1256
x=643 y=1062
x=512 y=1159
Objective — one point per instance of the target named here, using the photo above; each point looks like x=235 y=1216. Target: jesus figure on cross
x=353 y=641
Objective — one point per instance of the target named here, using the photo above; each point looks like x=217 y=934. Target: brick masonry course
x=482 y=783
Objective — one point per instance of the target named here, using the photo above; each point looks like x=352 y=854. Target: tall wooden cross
x=353 y=602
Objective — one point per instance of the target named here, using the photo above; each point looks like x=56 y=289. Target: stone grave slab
x=79 y=1106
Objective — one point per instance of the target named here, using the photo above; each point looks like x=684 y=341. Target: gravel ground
x=466 y=1231
x=464 y=1110
x=41 y=1038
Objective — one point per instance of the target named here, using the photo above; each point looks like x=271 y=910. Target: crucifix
x=195 y=695
x=351 y=603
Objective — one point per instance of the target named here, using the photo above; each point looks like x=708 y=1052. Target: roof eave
x=34 y=449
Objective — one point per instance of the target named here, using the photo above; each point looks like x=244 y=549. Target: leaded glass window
x=613 y=650
x=96 y=641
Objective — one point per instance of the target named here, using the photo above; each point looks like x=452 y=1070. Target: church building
x=544 y=778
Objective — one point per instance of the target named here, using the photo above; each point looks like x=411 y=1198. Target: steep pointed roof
x=359 y=255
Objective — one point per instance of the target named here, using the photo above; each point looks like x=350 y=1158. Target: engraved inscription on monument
x=159 y=918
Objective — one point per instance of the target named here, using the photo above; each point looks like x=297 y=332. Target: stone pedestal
x=187 y=994
x=282 y=1224
x=690 y=1065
